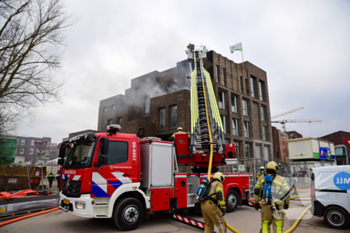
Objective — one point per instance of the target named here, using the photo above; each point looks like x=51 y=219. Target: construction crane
x=285 y=113
x=283 y=122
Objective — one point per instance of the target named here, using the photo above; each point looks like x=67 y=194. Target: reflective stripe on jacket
x=217 y=192
x=278 y=190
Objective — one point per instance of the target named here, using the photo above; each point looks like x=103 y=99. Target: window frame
x=160 y=119
x=224 y=125
x=234 y=106
x=222 y=94
x=217 y=73
x=245 y=107
x=171 y=114
x=262 y=90
x=235 y=130
x=110 y=161
x=224 y=82
x=246 y=129
x=263 y=113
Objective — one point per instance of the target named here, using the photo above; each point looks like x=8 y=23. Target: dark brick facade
x=171 y=87
x=294 y=134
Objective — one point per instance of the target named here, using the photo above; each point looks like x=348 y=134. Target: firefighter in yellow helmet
x=214 y=208
x=179 y=130
x=274 y=193
x=261 y=172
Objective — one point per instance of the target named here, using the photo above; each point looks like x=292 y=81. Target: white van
x=330 y=195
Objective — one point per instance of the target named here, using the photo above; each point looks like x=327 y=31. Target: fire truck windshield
x=80 y=155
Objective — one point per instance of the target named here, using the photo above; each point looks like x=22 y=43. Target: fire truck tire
x=336 y=217
x=128 y=214
x=232 y=200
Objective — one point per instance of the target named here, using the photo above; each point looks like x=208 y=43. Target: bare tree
x=30 y=50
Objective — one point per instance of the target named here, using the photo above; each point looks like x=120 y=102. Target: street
x=244 y=219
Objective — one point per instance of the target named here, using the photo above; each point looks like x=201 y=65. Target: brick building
x=294 y=134
x=342 y=150
x=280 y=145
x=160 y=102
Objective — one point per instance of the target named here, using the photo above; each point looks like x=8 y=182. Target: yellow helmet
x=219 y=176
x=272 y=165
x=179 y=128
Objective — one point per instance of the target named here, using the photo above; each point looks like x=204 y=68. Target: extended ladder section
x=204 y=109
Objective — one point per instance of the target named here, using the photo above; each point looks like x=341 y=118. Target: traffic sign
x=40 y=145
x=347 y=140
x=323 y=152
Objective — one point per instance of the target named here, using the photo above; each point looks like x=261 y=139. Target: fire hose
x=27 y=216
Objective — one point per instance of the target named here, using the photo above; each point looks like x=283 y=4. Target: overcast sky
x=304 y=46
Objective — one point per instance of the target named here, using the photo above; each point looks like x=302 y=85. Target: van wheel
x=128 y=214
x=232 y=200
x=336 y=217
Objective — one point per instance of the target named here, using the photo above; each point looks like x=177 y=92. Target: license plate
x=66 y=201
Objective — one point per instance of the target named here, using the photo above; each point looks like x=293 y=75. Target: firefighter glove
x=256 y=205
x=223 y=211
x=286 y=206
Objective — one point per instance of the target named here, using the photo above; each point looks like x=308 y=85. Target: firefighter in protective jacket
x=274 y=193
x=214 y=208
x=260 y=173
x=179 y=130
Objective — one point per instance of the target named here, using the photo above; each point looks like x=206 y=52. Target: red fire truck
x=120 y=176
x=127 y=176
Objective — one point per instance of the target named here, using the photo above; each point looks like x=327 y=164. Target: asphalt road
x=244 y=219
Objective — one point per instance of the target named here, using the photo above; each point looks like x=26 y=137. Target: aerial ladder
x=207 y=135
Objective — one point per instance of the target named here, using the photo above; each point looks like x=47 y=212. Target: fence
x=23 y=176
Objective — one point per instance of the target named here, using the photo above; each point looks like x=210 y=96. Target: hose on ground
x=298 y=220
x=27 y=216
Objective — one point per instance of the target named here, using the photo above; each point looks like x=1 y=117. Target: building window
x=105 y=109
x=223 y=119
x=238 y=152
x=246 y=86
x=119 y=120
x=113 y=106
x=340 y=150
x=235 y=127
x=222 y=100
x=32 y=142
x=245 y=107
x=234 y=107
x=247 y=151
x=161 y=112
x=292 y=136
x=242 y=86
x=253 y=86
x=109 y=121
x=31 y=151
x=23 y=142
x=263 y=113
x=147 y=104
x=21 y=151
x=137 y=91
x=265 y=133
x=246 y=129
x=217 y=74
x=173 y=116
x=224 y=77
x=262 y=90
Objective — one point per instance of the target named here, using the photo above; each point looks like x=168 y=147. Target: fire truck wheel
x=232 y=200
x=336 y=217
x=128 y=214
